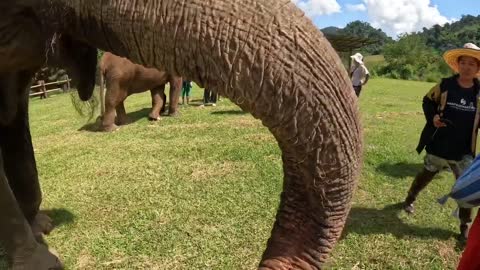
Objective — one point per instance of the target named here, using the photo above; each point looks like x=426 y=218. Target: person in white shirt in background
x=358 y=73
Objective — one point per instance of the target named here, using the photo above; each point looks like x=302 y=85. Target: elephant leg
x=16 y=237
x=122 y=118
x=112 y=99
x=20 y=166
x=19 y=180
x=175 y=90
x=164 y=101
x=158 y=102
x=19 y=163
x=108 y=120
x=16 y=146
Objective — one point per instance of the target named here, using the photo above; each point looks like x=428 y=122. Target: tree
x=411 y=58
x=453 y=35
x=364 y=29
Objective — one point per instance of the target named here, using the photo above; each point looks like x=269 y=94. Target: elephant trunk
x=271 y=61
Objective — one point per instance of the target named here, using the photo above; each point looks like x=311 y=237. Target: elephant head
x=80 y=61
x=28 y=42
x=269 y=59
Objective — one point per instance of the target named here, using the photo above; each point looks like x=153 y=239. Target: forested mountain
x=363 y=29
x=415 y=56
x=453 y=35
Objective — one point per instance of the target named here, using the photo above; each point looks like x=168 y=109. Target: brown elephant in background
x=119 y=78
x=266 y=57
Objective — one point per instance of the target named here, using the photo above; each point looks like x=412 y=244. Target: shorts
x=434 y=163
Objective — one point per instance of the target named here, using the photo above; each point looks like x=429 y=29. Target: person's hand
x=437 y=123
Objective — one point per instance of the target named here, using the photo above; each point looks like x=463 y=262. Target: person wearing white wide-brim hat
x=358 y=73
x=450 y=134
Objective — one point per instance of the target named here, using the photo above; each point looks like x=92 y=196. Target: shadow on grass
x=367 y=221
x=194 y=103
x=399 y=169
x=131 y=116
x=59 y=216
x=197 y=100
x=231 y=112
x=91 y=126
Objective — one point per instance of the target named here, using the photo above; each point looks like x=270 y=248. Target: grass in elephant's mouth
x=200 y=191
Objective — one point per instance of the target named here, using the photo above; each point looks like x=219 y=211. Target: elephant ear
x=80 y=61
x=21 y=37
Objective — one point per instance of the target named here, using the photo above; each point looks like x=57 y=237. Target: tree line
x=414 y=56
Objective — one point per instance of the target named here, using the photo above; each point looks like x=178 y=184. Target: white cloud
x=318 y=7
x=400 y=16
x=357 y=7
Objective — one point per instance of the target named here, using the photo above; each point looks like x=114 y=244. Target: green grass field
x=371 y=61
x=200 y=191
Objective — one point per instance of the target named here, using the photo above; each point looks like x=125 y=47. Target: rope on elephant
x=85 y=108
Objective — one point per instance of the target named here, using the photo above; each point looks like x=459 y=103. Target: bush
x=410 y=59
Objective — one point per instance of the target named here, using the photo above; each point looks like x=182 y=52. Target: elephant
x=264 y=55
x=25 y=48
x=123 y=78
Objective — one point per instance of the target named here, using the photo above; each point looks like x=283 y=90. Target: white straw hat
x=358 y=57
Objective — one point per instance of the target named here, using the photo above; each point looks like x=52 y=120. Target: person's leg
x=184 y=93
x=470 y=256
x=189 y=89
x=357 y=89
x=464 y=214
x=422 y=179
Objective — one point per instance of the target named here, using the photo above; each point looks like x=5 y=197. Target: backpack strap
x=477 y=117
x=445 y=84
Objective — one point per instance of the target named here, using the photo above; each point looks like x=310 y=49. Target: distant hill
x=441 y=38
x=331 y=30
x=453 y=35
x=365 y=30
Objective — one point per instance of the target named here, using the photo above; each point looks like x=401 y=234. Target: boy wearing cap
x=450 y=134
x=358 y=73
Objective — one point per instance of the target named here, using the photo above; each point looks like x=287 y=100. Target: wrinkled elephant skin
x=269 y=59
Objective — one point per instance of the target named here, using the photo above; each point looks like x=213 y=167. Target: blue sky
x=393 y=16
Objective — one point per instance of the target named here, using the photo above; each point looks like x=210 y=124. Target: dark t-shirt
x=454 y=141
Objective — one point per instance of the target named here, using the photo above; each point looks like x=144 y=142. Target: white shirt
x=359 y=74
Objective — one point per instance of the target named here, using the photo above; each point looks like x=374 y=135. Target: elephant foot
x=122 y=121
x=109 y=128
x=151 y=118
x=174 y=114
x=40 y=259
x=42 y=224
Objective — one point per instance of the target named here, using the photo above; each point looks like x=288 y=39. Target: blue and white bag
x=466 y=190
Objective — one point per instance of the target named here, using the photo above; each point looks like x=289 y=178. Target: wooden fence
x=43 y=93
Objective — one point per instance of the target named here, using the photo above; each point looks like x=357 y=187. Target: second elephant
x=123 y=78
